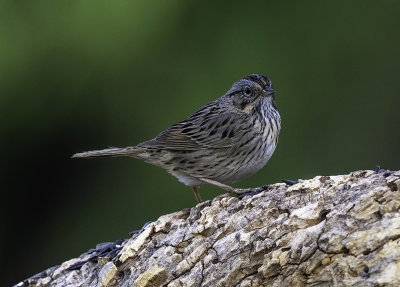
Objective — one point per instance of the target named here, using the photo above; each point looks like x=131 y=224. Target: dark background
x=81 y=75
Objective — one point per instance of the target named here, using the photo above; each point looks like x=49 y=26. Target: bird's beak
x=268 y=91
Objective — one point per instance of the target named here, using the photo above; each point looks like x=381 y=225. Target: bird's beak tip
x=268 y=91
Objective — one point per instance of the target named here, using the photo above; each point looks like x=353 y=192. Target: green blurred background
x=81 y=75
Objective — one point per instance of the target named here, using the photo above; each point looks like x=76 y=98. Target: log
x=339 y=230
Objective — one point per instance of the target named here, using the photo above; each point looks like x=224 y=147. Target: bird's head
x=246 y=92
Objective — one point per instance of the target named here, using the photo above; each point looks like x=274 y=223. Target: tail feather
x=129 y=151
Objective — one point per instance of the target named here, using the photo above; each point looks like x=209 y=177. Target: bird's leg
x=233 y=190
x=196 y=194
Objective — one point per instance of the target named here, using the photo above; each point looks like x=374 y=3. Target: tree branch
x=327 y=231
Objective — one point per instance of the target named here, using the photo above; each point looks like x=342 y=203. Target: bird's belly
x=222 y=165
x=231 y=169
x=249 y=166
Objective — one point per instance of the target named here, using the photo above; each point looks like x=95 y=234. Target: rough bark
x=327 y=231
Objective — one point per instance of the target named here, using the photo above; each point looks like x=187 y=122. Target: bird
x=228 y=139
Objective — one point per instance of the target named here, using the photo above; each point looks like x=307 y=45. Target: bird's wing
x=210 y=127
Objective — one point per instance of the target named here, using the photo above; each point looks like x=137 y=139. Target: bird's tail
x=128 y=151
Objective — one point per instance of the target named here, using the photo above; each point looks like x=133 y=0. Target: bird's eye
x=247 y=90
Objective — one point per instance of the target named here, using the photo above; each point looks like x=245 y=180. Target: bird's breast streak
x=266 y=131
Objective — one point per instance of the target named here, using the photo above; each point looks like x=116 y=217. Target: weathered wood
x=327 y=231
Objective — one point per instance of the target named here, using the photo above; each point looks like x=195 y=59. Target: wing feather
x=210 y=127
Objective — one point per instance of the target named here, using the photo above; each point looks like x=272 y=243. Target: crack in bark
x=392 y=238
